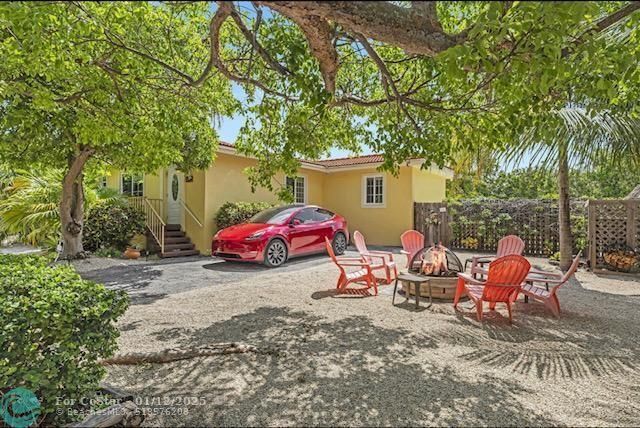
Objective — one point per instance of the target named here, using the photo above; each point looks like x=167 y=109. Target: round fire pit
x=441 y=266
x=442 y=287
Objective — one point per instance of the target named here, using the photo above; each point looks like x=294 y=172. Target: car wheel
x=275 y=254
x=339 y=243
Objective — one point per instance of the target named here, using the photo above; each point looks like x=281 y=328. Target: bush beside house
x=231 y=213
x=55 y=328
x=112 y=225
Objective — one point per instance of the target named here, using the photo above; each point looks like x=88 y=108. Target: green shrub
x=108 y=252
x=112 y=224
x=55 y=327
x=231 y=213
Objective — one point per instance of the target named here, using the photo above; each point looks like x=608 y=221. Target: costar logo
x=19 y=408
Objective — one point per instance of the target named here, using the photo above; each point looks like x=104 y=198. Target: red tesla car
x=276 y=234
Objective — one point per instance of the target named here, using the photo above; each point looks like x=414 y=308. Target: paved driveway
x=147 y=281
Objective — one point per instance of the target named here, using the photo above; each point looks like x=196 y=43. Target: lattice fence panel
x=612 y=223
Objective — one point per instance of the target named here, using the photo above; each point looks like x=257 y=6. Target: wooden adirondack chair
x=557 y=280
x=508 y=245
x=504 y=282
x=377 y=259
x=363 y=274
x=412 y=242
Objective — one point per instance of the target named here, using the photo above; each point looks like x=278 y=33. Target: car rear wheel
x=275 y=254
x=339 y=243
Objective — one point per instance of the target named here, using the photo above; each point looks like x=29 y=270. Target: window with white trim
x=131 y=184
x=373 y=191
x=103 y=182
x=297 y=187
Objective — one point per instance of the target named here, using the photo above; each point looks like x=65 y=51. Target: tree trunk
x=564 y=208
x=72 y=206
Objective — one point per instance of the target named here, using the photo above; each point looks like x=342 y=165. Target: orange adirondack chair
x=504 y=282
x=543 y=294
x=508 y=245
x=363 y=274
x=385 y=258
x=412 y=242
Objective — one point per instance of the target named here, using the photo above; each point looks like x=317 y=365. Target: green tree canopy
x=82 y=82
x=418 y=79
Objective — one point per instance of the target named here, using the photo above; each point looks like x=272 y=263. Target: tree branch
x=225 y=10
x=602 y=25
x=252 y=38
x=416 y=31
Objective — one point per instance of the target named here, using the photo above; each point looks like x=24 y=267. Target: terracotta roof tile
x=348 y=161
x=332 y=163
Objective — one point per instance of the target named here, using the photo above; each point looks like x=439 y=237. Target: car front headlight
x=255 y=236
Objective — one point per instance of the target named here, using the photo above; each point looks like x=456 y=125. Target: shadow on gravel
x=582 y=344
x=321 y=372
x=253 y=267
x=132 y=279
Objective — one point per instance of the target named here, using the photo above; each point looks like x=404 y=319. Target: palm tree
x=29 y=204
x=573 y=136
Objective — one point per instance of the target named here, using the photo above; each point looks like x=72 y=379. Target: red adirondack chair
x=412 y=242
x=363 y=274
x=504 y=282
x=378 y=260
x=542 y=294
x=508 y=245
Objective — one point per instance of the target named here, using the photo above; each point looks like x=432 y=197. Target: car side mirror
x=295 y=222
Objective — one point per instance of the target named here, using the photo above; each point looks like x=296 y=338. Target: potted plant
x=132 y=252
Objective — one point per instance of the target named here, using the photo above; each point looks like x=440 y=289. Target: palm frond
x=29 y=204
x=592 y=138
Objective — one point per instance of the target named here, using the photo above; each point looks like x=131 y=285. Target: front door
x=174 y=196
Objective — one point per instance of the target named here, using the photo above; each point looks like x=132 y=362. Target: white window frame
x=104 y=183
x=132 y=175
x=364 y=191
x=305 y=186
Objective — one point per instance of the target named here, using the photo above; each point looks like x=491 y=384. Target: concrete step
x=174 y=234
x=173 y=227
x=177 y=240
x=180 y=253
x=172 y=247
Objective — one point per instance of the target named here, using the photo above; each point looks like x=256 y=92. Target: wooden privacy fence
x=612 y=223
x=478 y=225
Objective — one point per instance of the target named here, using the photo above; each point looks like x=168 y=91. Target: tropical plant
x=55 y=329
x=574 y=135
x=29 y=202
x=111 y=81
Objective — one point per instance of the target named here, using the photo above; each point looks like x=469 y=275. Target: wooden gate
x=432 y=220
x=612 y=222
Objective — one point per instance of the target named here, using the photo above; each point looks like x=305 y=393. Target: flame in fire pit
x=436 y=261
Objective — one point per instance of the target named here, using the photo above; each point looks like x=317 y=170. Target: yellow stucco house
x=373 y=202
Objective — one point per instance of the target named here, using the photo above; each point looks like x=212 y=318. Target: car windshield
x=275 y=215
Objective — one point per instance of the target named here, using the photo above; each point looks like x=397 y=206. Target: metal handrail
x=188 y=210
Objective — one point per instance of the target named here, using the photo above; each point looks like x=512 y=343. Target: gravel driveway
x=360 y=361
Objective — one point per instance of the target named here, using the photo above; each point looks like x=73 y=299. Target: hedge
x=55 y=328
x=112 y=225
